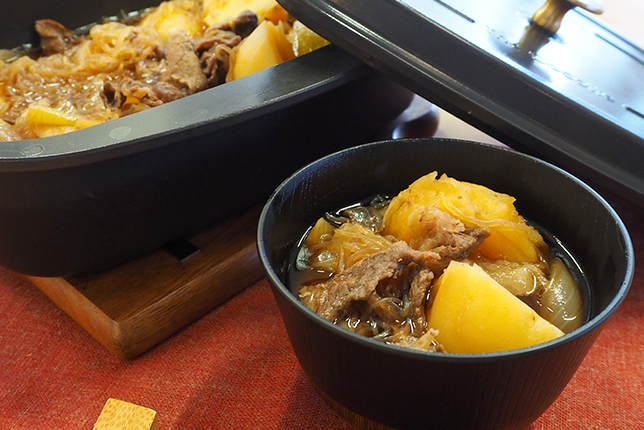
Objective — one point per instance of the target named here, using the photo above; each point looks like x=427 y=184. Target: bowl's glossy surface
x=418 y=390
x=87 y=200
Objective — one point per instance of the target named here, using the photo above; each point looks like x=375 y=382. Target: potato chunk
x=511 y=238
x=265 y=47
x=45 y=121
x=304 y=40
x=474 y=314
x=173 y=15
x=216 y=11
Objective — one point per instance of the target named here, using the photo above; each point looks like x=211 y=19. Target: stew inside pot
x=118 y=68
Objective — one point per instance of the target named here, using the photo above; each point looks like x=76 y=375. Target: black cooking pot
x=88 y=200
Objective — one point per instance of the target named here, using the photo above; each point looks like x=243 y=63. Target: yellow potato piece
x=216 y=11
x=168 y=16
x=265 y=47
x=320 y=232
x=339 y=248
x=41 y=115
x=46 y=121
x=511 y=238
x=474 y=314
x=304 y=40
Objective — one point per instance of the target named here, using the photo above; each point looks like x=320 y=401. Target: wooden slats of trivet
x=133 y=307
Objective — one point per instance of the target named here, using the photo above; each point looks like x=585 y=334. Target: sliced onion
x=397 y=304
x=561 y=303
x=521 y=279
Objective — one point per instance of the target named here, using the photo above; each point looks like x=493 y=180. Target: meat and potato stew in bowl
x=445 y=265
x=458 y=282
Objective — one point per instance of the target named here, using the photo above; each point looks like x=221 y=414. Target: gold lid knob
x=552 y=12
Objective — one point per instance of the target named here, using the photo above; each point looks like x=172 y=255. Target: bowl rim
x=594 y=323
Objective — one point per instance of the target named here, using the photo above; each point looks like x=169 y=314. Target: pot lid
x=570 y=90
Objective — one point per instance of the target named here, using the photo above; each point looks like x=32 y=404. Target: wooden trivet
x=131 y=308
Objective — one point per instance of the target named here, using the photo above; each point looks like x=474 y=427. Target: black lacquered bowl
x=409 y=389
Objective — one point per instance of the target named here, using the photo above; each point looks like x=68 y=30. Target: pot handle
x=550 y=15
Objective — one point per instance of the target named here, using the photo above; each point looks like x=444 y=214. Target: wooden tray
x=131 y=308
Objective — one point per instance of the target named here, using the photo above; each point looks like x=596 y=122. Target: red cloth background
x=235 y=369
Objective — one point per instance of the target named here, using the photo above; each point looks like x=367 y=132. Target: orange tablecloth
x=235 y=369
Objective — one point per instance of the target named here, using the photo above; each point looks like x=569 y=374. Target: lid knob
x=552 y=12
